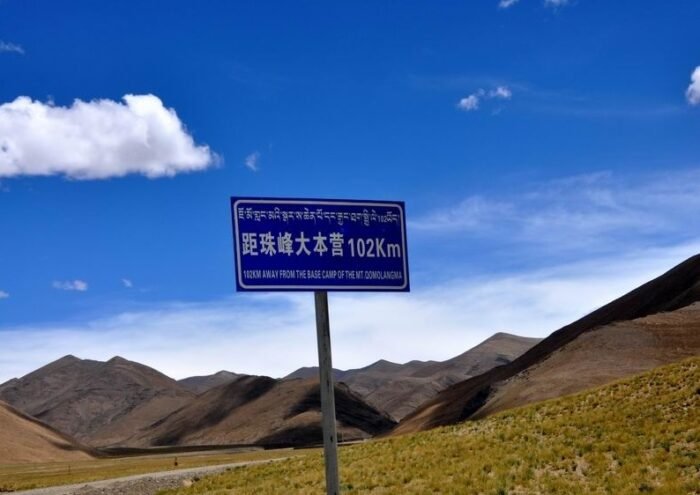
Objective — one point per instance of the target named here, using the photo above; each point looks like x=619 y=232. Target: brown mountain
x=95 y=402
x=651 y=325
x=200 y=384
x=264 y=411
x=601 y=356
x=26 y=439
x=312 y=372
x=399 y=389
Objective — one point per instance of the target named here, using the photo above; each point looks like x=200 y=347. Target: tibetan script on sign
x=300 y=244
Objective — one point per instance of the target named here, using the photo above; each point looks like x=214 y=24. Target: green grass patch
x=639 y=435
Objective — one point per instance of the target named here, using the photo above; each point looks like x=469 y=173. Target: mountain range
x=399 y=388
x=73 y=402
x=121 y=403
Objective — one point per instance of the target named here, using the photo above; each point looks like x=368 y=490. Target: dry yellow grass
x=640 y=435
x=26 y=476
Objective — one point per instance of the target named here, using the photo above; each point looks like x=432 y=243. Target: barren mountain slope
x=675 y=289
x=140 y=418
x=312 y=372
x=200 y=384
x=603 y=355
x=261 y=410
x=399 y=389
x=500 y=348
x=25 y=439
x=81 y=397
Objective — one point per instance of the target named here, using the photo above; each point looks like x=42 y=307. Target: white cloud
x=473 y=101
x=504 y=4
x=693 y=92
x=6 y=47
x=252 y=160
x=98 y=139
x=579 y=212
x=4 y=295
x=127 y=283
x=76 y=285
x=469 y=103
x=502 y=92
x=274 y=334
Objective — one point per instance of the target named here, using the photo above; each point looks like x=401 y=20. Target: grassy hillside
x=639 y=435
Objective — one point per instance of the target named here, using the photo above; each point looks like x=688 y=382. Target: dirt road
x=140 y=484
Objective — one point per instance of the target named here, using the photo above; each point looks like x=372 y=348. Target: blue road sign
x=319 y=244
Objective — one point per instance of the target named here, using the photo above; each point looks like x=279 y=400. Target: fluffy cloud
x=469 y=103
x=97 y=139
x=127 y=283
x=501 y=92
x=251 y=161
x=10 y=48
x=4 y=295
x=472 y=102
x=76 y=285
x=693 y=92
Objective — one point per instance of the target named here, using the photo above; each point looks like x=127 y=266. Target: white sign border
x=310 y=288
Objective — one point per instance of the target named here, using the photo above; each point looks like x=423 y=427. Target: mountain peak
x=225 y=373
x=82 y=397
x=68 y=358
x=118 y=360
x=201 y=384
x=509 y=337
x=382 y=365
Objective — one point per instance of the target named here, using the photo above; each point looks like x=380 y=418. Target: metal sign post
x=320 y=245
x=325 y=369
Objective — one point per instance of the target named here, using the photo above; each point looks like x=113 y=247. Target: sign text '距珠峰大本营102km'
x=317 y=244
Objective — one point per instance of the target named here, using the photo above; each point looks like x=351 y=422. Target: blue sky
x=547 y=152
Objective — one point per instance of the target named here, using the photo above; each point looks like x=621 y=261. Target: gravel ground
x=142 y=484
